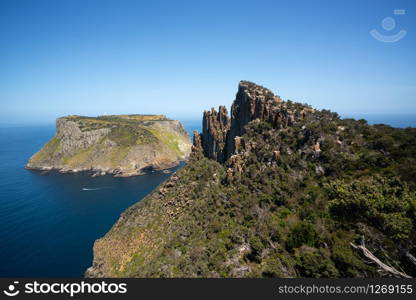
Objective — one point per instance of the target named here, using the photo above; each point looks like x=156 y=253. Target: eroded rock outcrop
x=214 y=135
x=221 y=134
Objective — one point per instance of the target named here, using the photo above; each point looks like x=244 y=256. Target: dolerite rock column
x=221 y=133
x=215 y=126
x=252 y=102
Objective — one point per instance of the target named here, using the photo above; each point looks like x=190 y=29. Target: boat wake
x=96 y=189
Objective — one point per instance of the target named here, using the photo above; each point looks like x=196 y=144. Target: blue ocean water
x=401 y=121
x=48 y=223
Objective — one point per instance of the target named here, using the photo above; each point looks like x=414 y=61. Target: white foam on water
x=95 y=189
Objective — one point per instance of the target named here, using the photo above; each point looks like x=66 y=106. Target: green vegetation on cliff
x=294 y=200
x=52 y=146
x=110 y=121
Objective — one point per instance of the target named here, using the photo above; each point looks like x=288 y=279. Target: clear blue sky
x=181 y=57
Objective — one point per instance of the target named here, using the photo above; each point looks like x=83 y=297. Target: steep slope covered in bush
x=278 y=189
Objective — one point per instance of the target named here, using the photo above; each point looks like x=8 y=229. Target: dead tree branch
x=367 y=253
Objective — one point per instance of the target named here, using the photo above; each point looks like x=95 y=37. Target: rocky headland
x=275 y=189
x=120 y=145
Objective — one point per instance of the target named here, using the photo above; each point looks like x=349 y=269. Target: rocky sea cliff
x=120 y=145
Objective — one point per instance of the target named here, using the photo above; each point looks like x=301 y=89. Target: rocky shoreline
x=101 y=172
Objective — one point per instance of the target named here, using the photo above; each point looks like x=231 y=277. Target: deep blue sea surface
x=402 y=121
x=48 y=223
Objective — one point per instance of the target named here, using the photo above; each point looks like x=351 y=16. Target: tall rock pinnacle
x=219 y=132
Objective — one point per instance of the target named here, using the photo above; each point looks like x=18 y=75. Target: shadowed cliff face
x=215 y=126
x=122 y=145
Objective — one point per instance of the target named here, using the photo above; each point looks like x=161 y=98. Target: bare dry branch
x=367 y=253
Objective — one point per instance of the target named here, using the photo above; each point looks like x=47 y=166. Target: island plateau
x=120 y=145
